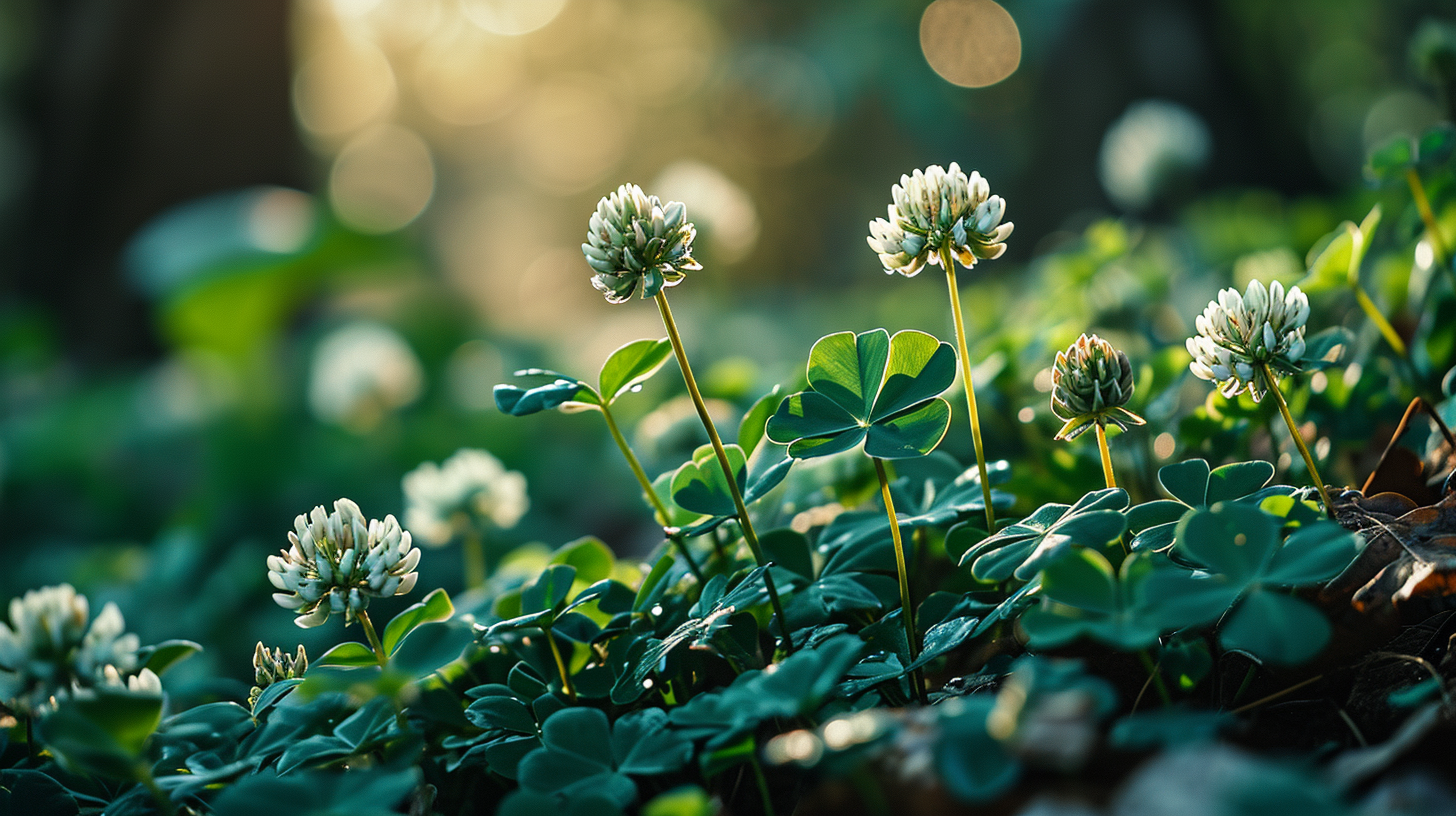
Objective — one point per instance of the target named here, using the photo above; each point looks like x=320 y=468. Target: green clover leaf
x=1023 y=548
x=873 y=388
x=1194 y=486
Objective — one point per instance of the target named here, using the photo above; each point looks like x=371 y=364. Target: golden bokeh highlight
x=382 y=179
x=512 y=18
x=344 y=85
x=970 y=43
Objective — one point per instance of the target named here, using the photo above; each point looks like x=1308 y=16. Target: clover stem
x=1298 y=440
x=1423 y=206
x=652 y=498
x=372 y=637
x=965 y=356
x=1106 y=455
x=728 y=475
x=472 y=548
x=560 y=667
x=1156 y=676
x=908 y=610
x=758 y=777
x=1373 y=312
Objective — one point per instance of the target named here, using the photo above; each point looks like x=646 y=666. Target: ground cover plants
x=841 y=616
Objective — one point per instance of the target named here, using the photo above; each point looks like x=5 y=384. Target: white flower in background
x=361 y=372
x=338 y=561
x=936 y=208
x=48 y=650
x=1152 y=148
x=1238 y=335
x=470 y=487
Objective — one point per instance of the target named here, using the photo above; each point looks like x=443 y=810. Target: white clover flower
x=361 y=372
x=1091 y=382
x=1153 y=148
x=49 y=651
x=470 y=487
x=939 y=208
x=1238 y=335
x=634 y=240
x=338 y=561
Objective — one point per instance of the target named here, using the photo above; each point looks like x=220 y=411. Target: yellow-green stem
x=1106 y=455
x=472 y=550
x=728 y=475
x=372 y=637
x=1156 y=676
x=560 y=667
x=652 y=498
x=762 y=782
x=965 y=356
x=1298 y=440
x=907 y=609
x=1423 y=206
x=1379 y=320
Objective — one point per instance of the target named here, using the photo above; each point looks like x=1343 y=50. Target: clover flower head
x=1091 y=382
x=1239 y=334
x=48 y=650
x=361 y=372
x=270 y=667
x=470 y=487
x=635 y=241
x=338 y=561
x=936 y=208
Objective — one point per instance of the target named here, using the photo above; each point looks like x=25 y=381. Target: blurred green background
x=256 y=255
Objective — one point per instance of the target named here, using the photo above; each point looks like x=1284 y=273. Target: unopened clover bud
x=635 y=242
x=1239 y=334
x=939 y=208
x=1091 y=382
x=338 y=561
x=270 y=667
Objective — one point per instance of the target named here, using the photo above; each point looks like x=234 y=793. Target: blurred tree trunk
x=133 y=106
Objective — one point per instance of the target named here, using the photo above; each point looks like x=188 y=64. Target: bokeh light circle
x=382 y=179
x=970 y=43
x=512 y=17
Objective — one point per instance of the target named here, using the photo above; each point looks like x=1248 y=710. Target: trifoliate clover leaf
x=1240 y=546
x=1023 y=548
x=700 y=486
x=1083 y=596
x=871 y=388
x=582 y=754
x=1393 y=159
x=1193 y=485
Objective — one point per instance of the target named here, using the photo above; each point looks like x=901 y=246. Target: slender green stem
x=1106 y=455
x=652 y=498
x=1298 y=440
x=1244 y=686
x=728 y=475
x=1433 y=229
x=636 y=466
x=472 y=548
x=372 y=637
x=560 y=667
x=1373 y=312
x=965 y=357
x=768 y=807
x=1157 y=677
x=1276 y=695
x=907 y=609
